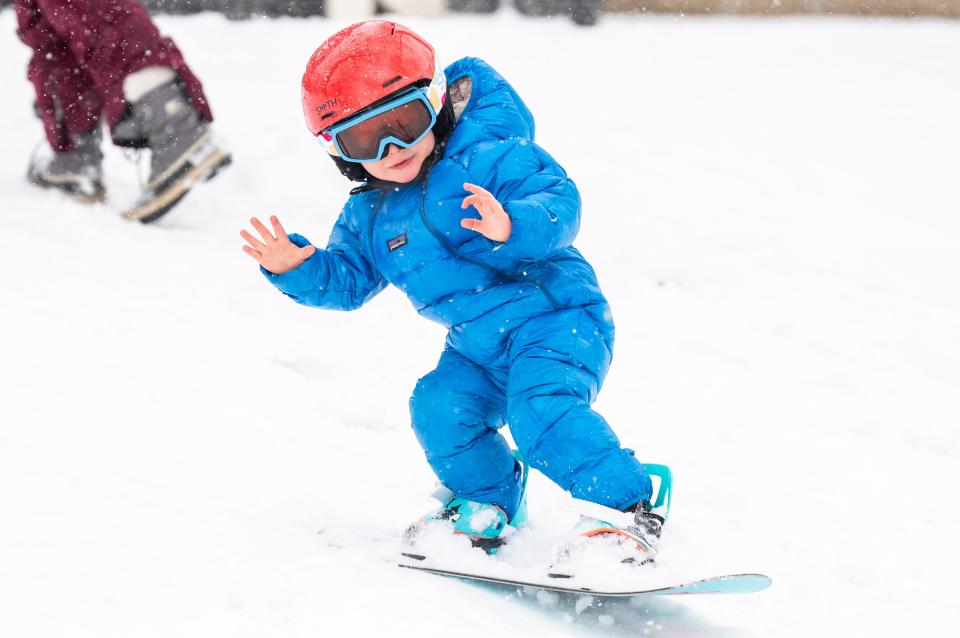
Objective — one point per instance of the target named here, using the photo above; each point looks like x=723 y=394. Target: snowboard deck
x=726 y=584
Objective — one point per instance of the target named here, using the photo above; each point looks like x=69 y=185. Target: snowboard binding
x=486 y=525
x=631 y=535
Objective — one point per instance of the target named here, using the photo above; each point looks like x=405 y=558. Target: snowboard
x=725 y=584
x=646 y=583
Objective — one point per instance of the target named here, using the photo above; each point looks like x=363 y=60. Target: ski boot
x=486 y=525
x=183 y=151
x=77 y=173
x=631 y=535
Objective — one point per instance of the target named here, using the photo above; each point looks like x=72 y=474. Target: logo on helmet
x=326 y=105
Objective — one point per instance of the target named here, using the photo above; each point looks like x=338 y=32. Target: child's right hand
x=276 y=254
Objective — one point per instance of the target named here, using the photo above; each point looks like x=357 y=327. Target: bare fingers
x=476 y=190
x=477 y=197
x=268 y=238
x=255 y=243
x=254 y=253
x=278 y=227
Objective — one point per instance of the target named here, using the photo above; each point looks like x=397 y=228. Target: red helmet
x=360 y=65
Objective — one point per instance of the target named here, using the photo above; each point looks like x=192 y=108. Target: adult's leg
x=70 y=107
x=558 y=363
x=111 y=39
x=456 y=411
x=68 y=102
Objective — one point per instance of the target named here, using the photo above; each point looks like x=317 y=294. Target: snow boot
x=483 y=523
x=183 y=150
x=631 y=535
x=77 y=173
x=486 y=525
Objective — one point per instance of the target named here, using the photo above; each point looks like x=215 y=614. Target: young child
x=530 y=334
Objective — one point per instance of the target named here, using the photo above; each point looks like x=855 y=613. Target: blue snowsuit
x=530 y=334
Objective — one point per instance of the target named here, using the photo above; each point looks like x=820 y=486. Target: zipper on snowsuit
x=373 y=218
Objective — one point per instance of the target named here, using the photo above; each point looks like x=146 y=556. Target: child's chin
x=406 y=174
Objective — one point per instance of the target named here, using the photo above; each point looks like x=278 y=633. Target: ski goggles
x=404 y=121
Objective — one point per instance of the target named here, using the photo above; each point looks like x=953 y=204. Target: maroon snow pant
x=82 y=51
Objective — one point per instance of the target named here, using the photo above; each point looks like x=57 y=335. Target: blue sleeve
x=543 y=203
x=339 y=277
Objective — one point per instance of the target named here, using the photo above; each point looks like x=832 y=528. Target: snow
x=771 y=206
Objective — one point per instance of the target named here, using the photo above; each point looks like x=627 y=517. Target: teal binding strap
x=664 y=494
x=520 y=518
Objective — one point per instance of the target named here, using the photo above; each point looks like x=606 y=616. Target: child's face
x=402 y=165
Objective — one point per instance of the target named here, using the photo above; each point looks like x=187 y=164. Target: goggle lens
x=406 y=123
x=403 y=121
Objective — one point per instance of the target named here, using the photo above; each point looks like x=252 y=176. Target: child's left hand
x=494 y=223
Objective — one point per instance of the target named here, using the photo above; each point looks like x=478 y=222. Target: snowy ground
x=772 y=208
